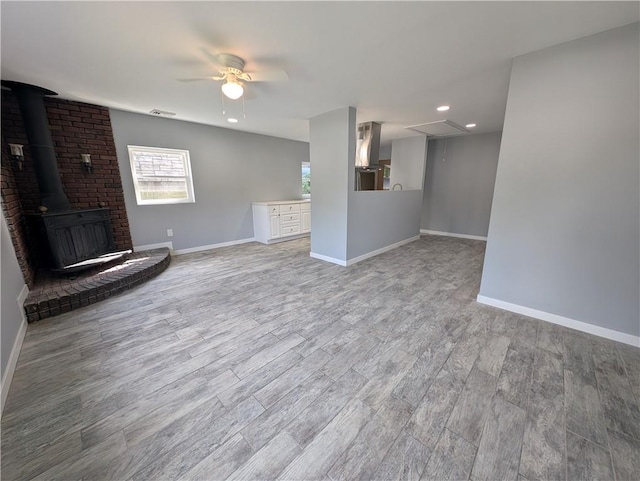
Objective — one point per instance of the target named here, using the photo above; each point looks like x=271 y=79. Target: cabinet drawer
x=289 y=208
x=306 y=207
x=289 y=218
x=289 y=230
x=273 y=209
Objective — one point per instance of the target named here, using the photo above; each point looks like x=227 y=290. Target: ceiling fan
x=233 y=74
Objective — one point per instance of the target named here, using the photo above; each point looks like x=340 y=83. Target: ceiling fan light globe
x=232 y=89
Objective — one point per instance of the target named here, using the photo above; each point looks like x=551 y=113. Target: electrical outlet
x=169 y=232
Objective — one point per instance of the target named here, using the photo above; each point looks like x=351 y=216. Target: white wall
x=12 y=323
x=230 y=170
x=564 y=232
x=459 y=189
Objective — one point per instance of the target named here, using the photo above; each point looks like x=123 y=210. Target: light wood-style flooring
x=257 y=362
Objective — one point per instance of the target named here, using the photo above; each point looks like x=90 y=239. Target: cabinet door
x=306 y=222
x=274 y=222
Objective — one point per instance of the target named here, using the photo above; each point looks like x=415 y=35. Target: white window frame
x=184 y=154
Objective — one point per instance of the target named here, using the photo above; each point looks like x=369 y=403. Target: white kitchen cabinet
x=305 y=217
x=277 y=221
x=305 y=225
x=274 y=226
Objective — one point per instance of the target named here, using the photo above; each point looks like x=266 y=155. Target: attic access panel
x=439 y=128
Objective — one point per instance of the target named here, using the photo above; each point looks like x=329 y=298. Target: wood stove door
x=81 y=242
x=78 y=236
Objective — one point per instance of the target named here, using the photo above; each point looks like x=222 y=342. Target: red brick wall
x=12 y=209
x=76 y=128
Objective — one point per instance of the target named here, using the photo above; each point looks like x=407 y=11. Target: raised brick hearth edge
x=53 y=295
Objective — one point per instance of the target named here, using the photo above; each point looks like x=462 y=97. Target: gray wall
x=230 y=170
x=332 y=152
x=346 y=224
x=12 y=285
x=385 y=152
x=459 y=190
x=564 y=230
x=378 y=219
x=408 y=159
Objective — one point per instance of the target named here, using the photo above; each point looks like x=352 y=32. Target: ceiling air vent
x=439 y=128
x=162 y=113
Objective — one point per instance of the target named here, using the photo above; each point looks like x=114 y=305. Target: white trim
x=190 y=250
x=21 y=298
x=286 y=238
x=562 y=321
x=15 y=350
x=452 y=234
x=159 y=245
x=333 y=260
x=188 y=177
x=353 y=260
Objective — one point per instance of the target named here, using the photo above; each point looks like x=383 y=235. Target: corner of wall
x=7 y=376
x=562 y=321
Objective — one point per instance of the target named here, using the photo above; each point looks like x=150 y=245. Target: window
x=161 y=176
x=306 y=179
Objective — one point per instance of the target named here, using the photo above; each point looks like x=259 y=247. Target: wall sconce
x=17 y=155
x=86 y=162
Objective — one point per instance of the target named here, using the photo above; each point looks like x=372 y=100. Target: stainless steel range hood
x=368 y=144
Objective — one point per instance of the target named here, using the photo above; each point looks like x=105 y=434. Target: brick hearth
x=53 y=295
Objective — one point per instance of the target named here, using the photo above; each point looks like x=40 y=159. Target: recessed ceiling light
x=443 y=108
x=470 y=126
x=232 y=120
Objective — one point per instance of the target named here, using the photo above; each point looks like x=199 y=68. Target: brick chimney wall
x=76 y=128
x=12 y=209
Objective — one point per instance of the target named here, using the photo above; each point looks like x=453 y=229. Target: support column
x=332 y=155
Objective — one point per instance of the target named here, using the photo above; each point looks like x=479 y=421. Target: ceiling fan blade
x=195 y=79
x=269 y=76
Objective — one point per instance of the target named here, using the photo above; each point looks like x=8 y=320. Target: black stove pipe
x=34 y=115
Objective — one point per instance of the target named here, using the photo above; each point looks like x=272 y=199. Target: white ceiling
x=394 y=61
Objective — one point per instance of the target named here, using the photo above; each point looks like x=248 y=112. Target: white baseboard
x=562 y=321
x=452 y=234
x=381 y=250
x=285 y=239
x=159 y=245
x=15 y=349
x=354 y=260
x=333 y=260
x=191 y=250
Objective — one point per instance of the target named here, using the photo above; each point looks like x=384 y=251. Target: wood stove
x=62 y=236
x=68 y=238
